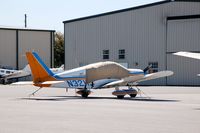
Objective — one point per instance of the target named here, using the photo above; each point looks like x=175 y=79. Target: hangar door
x=183 y=35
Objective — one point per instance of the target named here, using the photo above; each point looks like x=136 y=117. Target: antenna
x=25 y=21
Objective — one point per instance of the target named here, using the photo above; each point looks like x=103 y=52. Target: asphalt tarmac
x=162 y=110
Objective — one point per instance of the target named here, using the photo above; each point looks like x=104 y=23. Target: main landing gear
x=121 y=93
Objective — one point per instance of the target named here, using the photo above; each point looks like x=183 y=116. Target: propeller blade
x=147 y=68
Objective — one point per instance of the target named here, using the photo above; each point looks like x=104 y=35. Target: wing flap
x=124 y=81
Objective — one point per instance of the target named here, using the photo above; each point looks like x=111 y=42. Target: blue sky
x=49 y=14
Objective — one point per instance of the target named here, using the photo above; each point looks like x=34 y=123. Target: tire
x=85 y=95
x=133 y=95
x=120 y=96
x=3 y=81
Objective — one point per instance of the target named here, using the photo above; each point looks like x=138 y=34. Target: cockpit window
x=2 y=71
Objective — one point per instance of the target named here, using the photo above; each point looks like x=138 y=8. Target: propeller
x=147 y=68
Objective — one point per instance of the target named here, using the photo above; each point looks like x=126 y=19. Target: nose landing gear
x=84 y=93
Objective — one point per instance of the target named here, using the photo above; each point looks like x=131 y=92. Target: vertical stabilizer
x=40 y=71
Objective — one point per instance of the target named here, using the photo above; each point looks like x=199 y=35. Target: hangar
x=15 y=42
x=139 y=36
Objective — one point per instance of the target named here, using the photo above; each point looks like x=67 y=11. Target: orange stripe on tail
x=38 y=71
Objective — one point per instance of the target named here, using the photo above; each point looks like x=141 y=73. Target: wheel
x=120 y=96
x=133 y=95
x=85 y=95
x=3 y=81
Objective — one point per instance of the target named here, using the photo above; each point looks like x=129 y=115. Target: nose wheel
x=84 y=93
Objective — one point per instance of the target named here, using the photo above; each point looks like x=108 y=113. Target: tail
x=27 y=69
x=40 y=71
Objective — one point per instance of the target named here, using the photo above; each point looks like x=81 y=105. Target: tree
x=59 y=49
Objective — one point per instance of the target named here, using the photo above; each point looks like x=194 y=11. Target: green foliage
x=59 y=49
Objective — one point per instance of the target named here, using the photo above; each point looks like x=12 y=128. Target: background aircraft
x=189 y=55
x=7 y=74
x=93 y=76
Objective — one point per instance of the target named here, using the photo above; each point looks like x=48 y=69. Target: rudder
x=40 y=71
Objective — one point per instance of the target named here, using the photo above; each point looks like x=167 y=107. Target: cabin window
x=7 y=72
x=122 y=54
x=105 y=54
x=154 y=67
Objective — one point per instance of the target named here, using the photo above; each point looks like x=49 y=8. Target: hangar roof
x=128 y=9
x=24 y=29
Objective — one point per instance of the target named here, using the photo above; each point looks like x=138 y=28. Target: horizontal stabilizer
x=41 y=83
x=51 y=82
x=23 y=83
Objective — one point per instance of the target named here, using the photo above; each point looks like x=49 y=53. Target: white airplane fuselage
x=77 y=78
x=6 y=71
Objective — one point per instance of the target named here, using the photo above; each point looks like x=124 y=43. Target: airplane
x=189 y=55
x=7 y=74
x=93 y=76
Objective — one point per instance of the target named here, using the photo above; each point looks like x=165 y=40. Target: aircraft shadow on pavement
x=65 y=98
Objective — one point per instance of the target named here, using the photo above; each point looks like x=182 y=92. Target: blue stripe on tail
x=43 y=64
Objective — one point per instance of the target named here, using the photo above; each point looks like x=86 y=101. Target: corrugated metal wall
x=37 y=41
x=133 y=31
x=22 y=40
x=141 y=32
x=185 y=33
x=8 y=48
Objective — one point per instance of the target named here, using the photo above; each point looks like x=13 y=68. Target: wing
x=134 y=80
x=156 y=75
x=123 y=81
x=189 y=55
